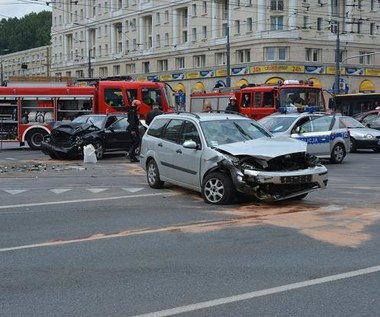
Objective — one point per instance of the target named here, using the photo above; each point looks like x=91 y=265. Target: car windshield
x=219 y=132
x=348 y=122
x=277 y=124
x=96 y=120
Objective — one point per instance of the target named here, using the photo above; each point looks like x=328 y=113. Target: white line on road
x=268 y=291
x=62 y=202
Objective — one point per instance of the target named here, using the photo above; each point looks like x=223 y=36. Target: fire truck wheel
x=35 y=137
x=99 y=149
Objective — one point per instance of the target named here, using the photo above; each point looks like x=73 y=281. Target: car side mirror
x=190 y=144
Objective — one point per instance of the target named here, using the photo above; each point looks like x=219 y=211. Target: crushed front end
x=278 y=178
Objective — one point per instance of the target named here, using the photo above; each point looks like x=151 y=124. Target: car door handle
x=179 y=151
x=159 y=144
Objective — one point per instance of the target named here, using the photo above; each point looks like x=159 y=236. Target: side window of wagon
x=157 y=127
x=172 y=130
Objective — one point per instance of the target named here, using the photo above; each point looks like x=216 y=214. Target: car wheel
x=35 y=137
x=337 y=154
x=217 y=188
x=99 y=149
x=53 y=156
x=353 y=145
x=153 y=175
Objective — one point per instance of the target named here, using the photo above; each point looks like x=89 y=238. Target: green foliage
x=30 y=31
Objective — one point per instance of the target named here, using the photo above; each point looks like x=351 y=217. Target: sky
x=19 y=8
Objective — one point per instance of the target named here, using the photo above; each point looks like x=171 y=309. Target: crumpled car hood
x=265 y=148
x=361 y=132
x=71 y=128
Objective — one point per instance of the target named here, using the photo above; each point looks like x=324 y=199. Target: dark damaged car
x=106 y=132
x=221 y=155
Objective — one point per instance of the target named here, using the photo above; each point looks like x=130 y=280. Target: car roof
x=205 y=116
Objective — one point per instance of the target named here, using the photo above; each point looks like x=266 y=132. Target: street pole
x=228 y=49
x=89 y=63
x=2 y=74
x=337 y=60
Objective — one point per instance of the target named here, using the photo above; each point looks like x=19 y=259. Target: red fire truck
x=27 y=111
x=258 y=101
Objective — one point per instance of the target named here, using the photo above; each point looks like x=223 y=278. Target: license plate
x=296 y=179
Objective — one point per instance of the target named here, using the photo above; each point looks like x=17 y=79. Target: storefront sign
x=354 y=71
x=372 y=72
x=221 y=72
x=239 y=70
x=207 y=73
x=277 y=69
x=314 y=70
x=178 y=76
x=193 y=75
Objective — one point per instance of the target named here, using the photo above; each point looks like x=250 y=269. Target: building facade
x=197 y=45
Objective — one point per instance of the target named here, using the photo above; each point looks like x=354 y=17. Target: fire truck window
x=246 y=101
x=257 y=101
x=114 y=98
x=151 y=96
x=268 y=100
x=131 y=95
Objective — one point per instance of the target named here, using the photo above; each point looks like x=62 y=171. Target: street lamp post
x=337 y=60
x=89 y=63
x=228 y=49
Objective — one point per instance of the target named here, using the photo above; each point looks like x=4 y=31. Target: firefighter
x=232 y=106
x=133 y=130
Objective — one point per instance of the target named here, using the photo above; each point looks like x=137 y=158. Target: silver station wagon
x=220 y=155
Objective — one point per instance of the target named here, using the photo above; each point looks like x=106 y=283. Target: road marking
x=60 y=190
x=132 y=190
x=96 y=190
x=265 y=292
x=15 y=191
x=48 y=203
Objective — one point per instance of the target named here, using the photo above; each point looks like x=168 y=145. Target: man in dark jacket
x=152 y=113
x=232 y=106
x=133 y=129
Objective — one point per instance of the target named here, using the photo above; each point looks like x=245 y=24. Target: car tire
x=35 y=137
x=153 y=175
x=218 y=189
x=99 y=149
x=337 y=154
x=353 y=145
x=53 y=156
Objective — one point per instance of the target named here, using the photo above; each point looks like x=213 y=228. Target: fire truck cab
x=258 y=101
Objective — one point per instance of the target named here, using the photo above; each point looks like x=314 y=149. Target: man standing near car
x=156 y=111
x=133 y=129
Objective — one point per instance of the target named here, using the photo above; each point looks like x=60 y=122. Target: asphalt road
x=94 y=240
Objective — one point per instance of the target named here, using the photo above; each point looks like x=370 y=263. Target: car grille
x=289 y=162
x=61 y=139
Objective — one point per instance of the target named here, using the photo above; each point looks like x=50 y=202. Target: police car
x=323 y=134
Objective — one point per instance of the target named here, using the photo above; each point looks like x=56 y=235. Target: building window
x=306 y=22
x=276 y=53
x=157 y=18
x=277 y=5
x=237 y=26
x=131 y=68
x=249 y=25
x=313 y=54
x=372 y=28
x=319 y=24
x=334 y=7
x=194 y=10
x=145 y=67
x=194 y=34
x=166 y=16
x=366 y=58
x=204 y=6
x=166 y=39
x=243 y=56
x=162 y=65
x=204 y=32
x=180 y=62
x=116 y=70
x=276 y=23
x=220 y=58
x=158 y=40
x=199 y=61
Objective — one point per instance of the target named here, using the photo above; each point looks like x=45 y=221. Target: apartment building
x=197 y=45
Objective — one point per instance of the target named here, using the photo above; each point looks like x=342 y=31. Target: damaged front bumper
x=279 y=185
